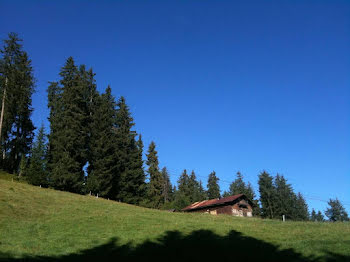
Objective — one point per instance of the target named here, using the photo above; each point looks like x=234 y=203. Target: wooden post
x=283 y=218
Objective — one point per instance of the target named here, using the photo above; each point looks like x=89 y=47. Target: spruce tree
x=302 y=211
x=285 y=199
x=313 y=216
x=182 y=195
x=131 y=175
x=319 y=217
x=194 y=188
x=16 y=89
x=238 y=186
x=336 y=212
x=70 y=122
x=167 y=187
x=36 y=172
x=202 y=193
x=155 y=187
x=267 y=195
x=102 y=145
x=213 y=186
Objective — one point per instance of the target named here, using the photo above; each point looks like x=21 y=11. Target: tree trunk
x=2 y=112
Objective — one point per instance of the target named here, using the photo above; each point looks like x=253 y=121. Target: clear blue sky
x=218 y=85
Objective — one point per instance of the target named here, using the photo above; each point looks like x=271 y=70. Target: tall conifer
x=16 y=89
x=37 y=172
x=156 y=181
x=213 y=186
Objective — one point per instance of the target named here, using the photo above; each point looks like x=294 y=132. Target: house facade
x=237 y=205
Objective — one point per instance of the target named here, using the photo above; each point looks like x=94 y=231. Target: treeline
x=91 y=147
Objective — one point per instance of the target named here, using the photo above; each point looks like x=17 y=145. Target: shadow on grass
x=202 y=245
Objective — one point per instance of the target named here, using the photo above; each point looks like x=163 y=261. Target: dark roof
x=214 y=202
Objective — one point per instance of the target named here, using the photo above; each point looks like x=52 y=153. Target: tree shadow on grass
x=202 y=245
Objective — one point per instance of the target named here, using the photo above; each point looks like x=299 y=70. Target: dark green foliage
x=155 y=187
x=238 y=186
x=202 y=193
x=16 y=87
x=130 y=187
x=285 y=199
x=301 y=211
x=168 y=193
x=213 y=186
x=267 y=195
x=319 y=217
x=36 y=172
x=336 y=212
x=69 y=103
x=277 y=198
x=316 y=217
x=102 y=147
x=182 y=194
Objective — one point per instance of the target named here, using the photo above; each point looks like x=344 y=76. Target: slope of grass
x=43 y=224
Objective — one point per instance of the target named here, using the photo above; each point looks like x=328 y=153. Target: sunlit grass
x=46 y=222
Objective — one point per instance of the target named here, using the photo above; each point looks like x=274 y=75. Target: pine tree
x=156 y=181
x=102 y=146
x=194 y=187
x=301 y=212
x=285 y=199
x=316 y=217
x=167 y=187
x=131 y=174
x=37 y=173
x=213 y=186
x=319 y=217
x=182 y=194
x=16 y=89
x=336 y=211
x=69 y=120
x=267 y=195
x=202 y=193
x=238 y=186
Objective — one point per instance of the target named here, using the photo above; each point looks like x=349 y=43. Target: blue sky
x=218 y=85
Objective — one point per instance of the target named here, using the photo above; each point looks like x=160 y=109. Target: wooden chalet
x=237 y=205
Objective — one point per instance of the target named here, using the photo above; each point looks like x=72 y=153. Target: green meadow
x=39 y=224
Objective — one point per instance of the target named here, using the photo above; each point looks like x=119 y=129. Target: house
x=237 y=205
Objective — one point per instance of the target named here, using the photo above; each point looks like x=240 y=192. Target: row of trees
x=91 y=147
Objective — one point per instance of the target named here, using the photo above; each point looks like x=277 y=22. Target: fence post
x=284 y=218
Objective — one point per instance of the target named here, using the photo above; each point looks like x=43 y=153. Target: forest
x=91 y=147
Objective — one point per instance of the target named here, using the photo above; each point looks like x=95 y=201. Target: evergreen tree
x=182 y=194
x=267 y=195
x=16 y=89
x=313 y=216
x=37 y=173
x=213 y=186
x=69 y=120
x=319 y=217
x=285 y=199
x=102 y=147
x=167 y=187
x=131 y=174
x=202 y=193
x=316 y=217
x=194 y=188
x=336 y=211
x=156 y=180
x=301 y=212
x=238 y=186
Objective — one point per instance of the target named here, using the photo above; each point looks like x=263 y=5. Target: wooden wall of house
x=234 y=209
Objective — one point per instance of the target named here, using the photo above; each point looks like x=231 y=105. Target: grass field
x=38 y=224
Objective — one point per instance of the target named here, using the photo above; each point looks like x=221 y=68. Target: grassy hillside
x=38 y=224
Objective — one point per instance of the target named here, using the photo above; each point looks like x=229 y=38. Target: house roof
x=212 y=202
